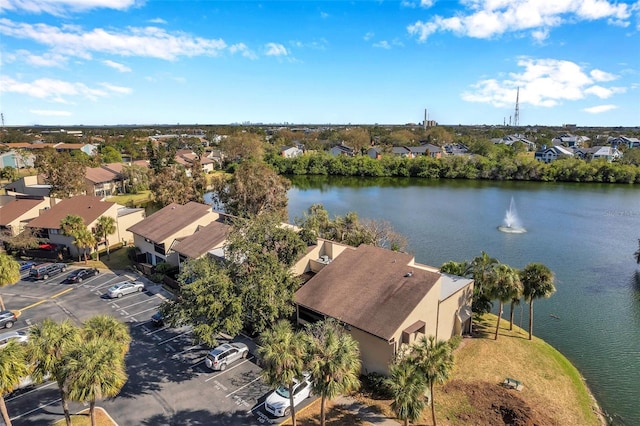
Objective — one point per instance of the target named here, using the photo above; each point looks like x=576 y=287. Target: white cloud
x=116 y=65
x=50 y=112
x=324 y=15
x=60 y=7
x=368 y=36
x=492 y=18
x=135 y=41
x=157 y=21
x=48 y=59
x=275 y=49
x=384 y=44
x=242 y=49
x=542 y=83
x=57 y=90
x=116 y=89
x=600 y=109
x=414 y=3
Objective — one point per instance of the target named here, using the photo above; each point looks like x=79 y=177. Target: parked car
x=9 y=336
x=157 y=319
x=26 y=264
x=7 y=319
x=123 y=288
x=278 y=402
x=220 y=357
x=46 y=270
x=48 y=246
x=79 y=275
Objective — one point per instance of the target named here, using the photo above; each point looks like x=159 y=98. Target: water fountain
x=511 y=223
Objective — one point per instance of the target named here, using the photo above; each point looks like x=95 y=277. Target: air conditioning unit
x=324 y=259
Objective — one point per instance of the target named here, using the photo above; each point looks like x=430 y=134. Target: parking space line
x=186 y=350
x=240 y=388
x=155 y=331
x=228 y=369
x=41 y=406
x=138 y=303
x=28 y=392
x=155 y=308
x=173 y=338
x=106 y=283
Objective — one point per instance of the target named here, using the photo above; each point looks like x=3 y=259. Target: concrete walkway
x=364 y=412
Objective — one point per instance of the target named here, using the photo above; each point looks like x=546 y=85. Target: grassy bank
x=554 y=392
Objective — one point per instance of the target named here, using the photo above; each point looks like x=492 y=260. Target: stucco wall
x=448 y=323
x=376 y=353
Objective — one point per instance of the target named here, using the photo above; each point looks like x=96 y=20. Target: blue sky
x=107 y=62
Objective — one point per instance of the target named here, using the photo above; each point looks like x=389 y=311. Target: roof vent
x=409 y=274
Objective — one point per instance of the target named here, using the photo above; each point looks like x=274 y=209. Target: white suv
x=223 y=355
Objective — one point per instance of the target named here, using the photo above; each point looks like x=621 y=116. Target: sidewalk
x=367 y=414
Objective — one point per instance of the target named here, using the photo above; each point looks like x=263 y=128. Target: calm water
x=586 y=234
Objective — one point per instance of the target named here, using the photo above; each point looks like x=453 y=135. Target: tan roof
x=99 y=175
x=114 y=167
x=204 y=239
x=63 y=145
x=142 y=163
x=88 y=207
x=369 y=288
x=27 y=145
x=169 y=220
x=16 y=208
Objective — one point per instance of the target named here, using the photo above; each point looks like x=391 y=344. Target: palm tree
x=505 y=286
x=333 y=360
x=49 y=343
x=283 y=352
x=514 y=302
x=538 y=282
x=72 y=225
x=94 y=369
x=481 y=269
x=9 y=273
x=407 y=385
x=434 y=359
x=84 y=239
x=106 y=226
x=13 y=368
x=108 y=328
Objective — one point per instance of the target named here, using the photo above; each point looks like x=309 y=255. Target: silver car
x=223 y=355
x=118 y=290
x=13 y=336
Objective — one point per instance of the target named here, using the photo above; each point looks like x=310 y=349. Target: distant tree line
x=506 y=167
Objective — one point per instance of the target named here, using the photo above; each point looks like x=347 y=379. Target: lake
x=586 y=233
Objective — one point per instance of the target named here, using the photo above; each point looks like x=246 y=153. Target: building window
x=159 y=248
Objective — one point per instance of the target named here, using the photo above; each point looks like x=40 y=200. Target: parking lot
x=168 y=384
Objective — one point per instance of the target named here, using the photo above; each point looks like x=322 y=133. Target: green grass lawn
x=139 y=200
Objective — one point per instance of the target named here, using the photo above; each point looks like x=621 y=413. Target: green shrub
x=156 y=277
x=376 y=385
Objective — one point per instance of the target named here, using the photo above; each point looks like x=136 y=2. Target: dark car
x=82 y=274
x=157 y=319
x=46 y=270
x=26 y=264
x=7 y=319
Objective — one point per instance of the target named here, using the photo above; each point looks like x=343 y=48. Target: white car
x=126 y=287
x=13 y=336
x=223 y=355
x=278 y=403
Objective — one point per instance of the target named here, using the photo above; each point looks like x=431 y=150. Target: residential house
x=427 y=149
x=342 y=149
x=187 y=158
x=547 y=155
x=206 y=240
x=375 y=152
x=570 y=140
x=456 y=149
x=27 y=146
x=291 y=151
x=385 y=299
x=88 y=148
x=89 y=208
x=155 y=235
x=623 y=140
x=19 y=210
x=511 y=139
x=30 y=185
x=402 y=151
x=608 y=153
x=102 y=181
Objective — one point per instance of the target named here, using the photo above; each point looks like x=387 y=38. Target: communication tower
x=516 y=115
